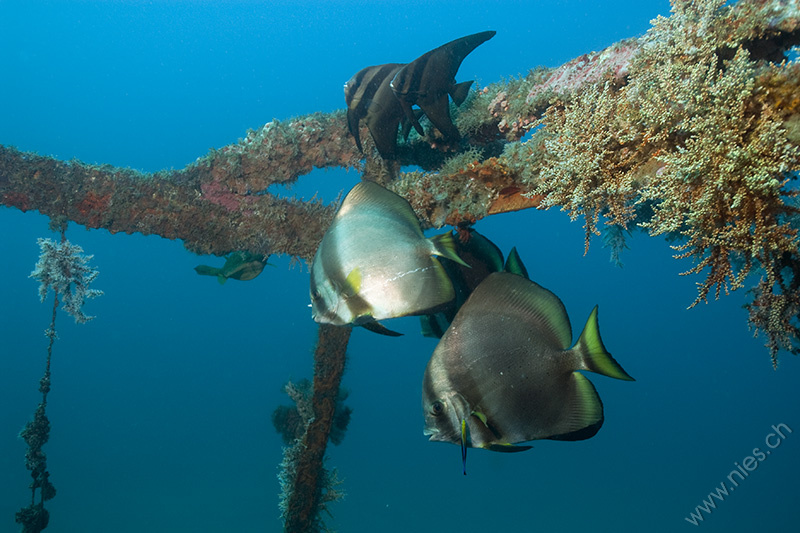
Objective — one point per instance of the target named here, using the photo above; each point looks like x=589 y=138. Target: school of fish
x=505 y=371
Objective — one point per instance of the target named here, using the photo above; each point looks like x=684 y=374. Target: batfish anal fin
x=507 y=448
x=583 y=411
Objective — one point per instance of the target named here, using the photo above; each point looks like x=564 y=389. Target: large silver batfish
x=504 y=372
x=374 y=262
x=428 y=80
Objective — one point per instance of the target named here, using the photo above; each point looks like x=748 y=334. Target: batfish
x=368 y=96
x=428 y=80
x=374 y=262
x=504 y=372
x=483 y=257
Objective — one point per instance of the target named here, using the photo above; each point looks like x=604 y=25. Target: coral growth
x=306 y=485
x=63 y=269
x=291 y=421
x=698 y=137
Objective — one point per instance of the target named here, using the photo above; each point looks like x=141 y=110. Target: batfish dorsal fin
x=462 y=47
x=528 y=302
x=369 y=193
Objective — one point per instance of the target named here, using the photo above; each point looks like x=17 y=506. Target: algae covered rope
x=310 y=477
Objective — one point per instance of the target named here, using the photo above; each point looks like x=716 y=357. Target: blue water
x=160 y=407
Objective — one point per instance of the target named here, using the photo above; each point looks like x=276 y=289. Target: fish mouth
x=431 y=433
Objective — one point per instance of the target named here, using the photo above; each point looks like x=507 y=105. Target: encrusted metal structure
x=692 y=130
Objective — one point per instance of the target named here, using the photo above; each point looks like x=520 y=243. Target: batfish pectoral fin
x=593 y=354
x=376 y=327
x=482 y=417
x=405 y=124
x=353 y=282
x=460 y=91
x=507 y=448
x=498 y=446
x=411 y=116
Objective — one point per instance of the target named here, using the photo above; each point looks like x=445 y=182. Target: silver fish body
x=504 y=366
x=374 y=262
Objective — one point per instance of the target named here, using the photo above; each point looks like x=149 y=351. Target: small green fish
x=374 y=263
x=504 y=372
x=243 y=266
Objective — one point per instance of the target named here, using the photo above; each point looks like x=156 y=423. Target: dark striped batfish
x=374 y=262
x=428 y=80
x=368 y=96
x=504 y=372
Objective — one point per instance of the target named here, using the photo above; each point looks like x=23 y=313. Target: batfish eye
x=437 y=408
x=315 y=295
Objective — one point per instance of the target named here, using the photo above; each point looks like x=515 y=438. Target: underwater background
x=160 y=406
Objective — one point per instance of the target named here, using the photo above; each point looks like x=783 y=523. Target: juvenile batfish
x=369 y=96
x=504 y=372
x=374 y=262
x=428 y=80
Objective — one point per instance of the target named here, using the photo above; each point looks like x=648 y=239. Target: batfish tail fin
x=460 y=91
x=593 y=354
x=444 y=245
x=205 y=270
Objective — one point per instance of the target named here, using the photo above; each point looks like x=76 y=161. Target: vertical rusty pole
x=329 y=361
